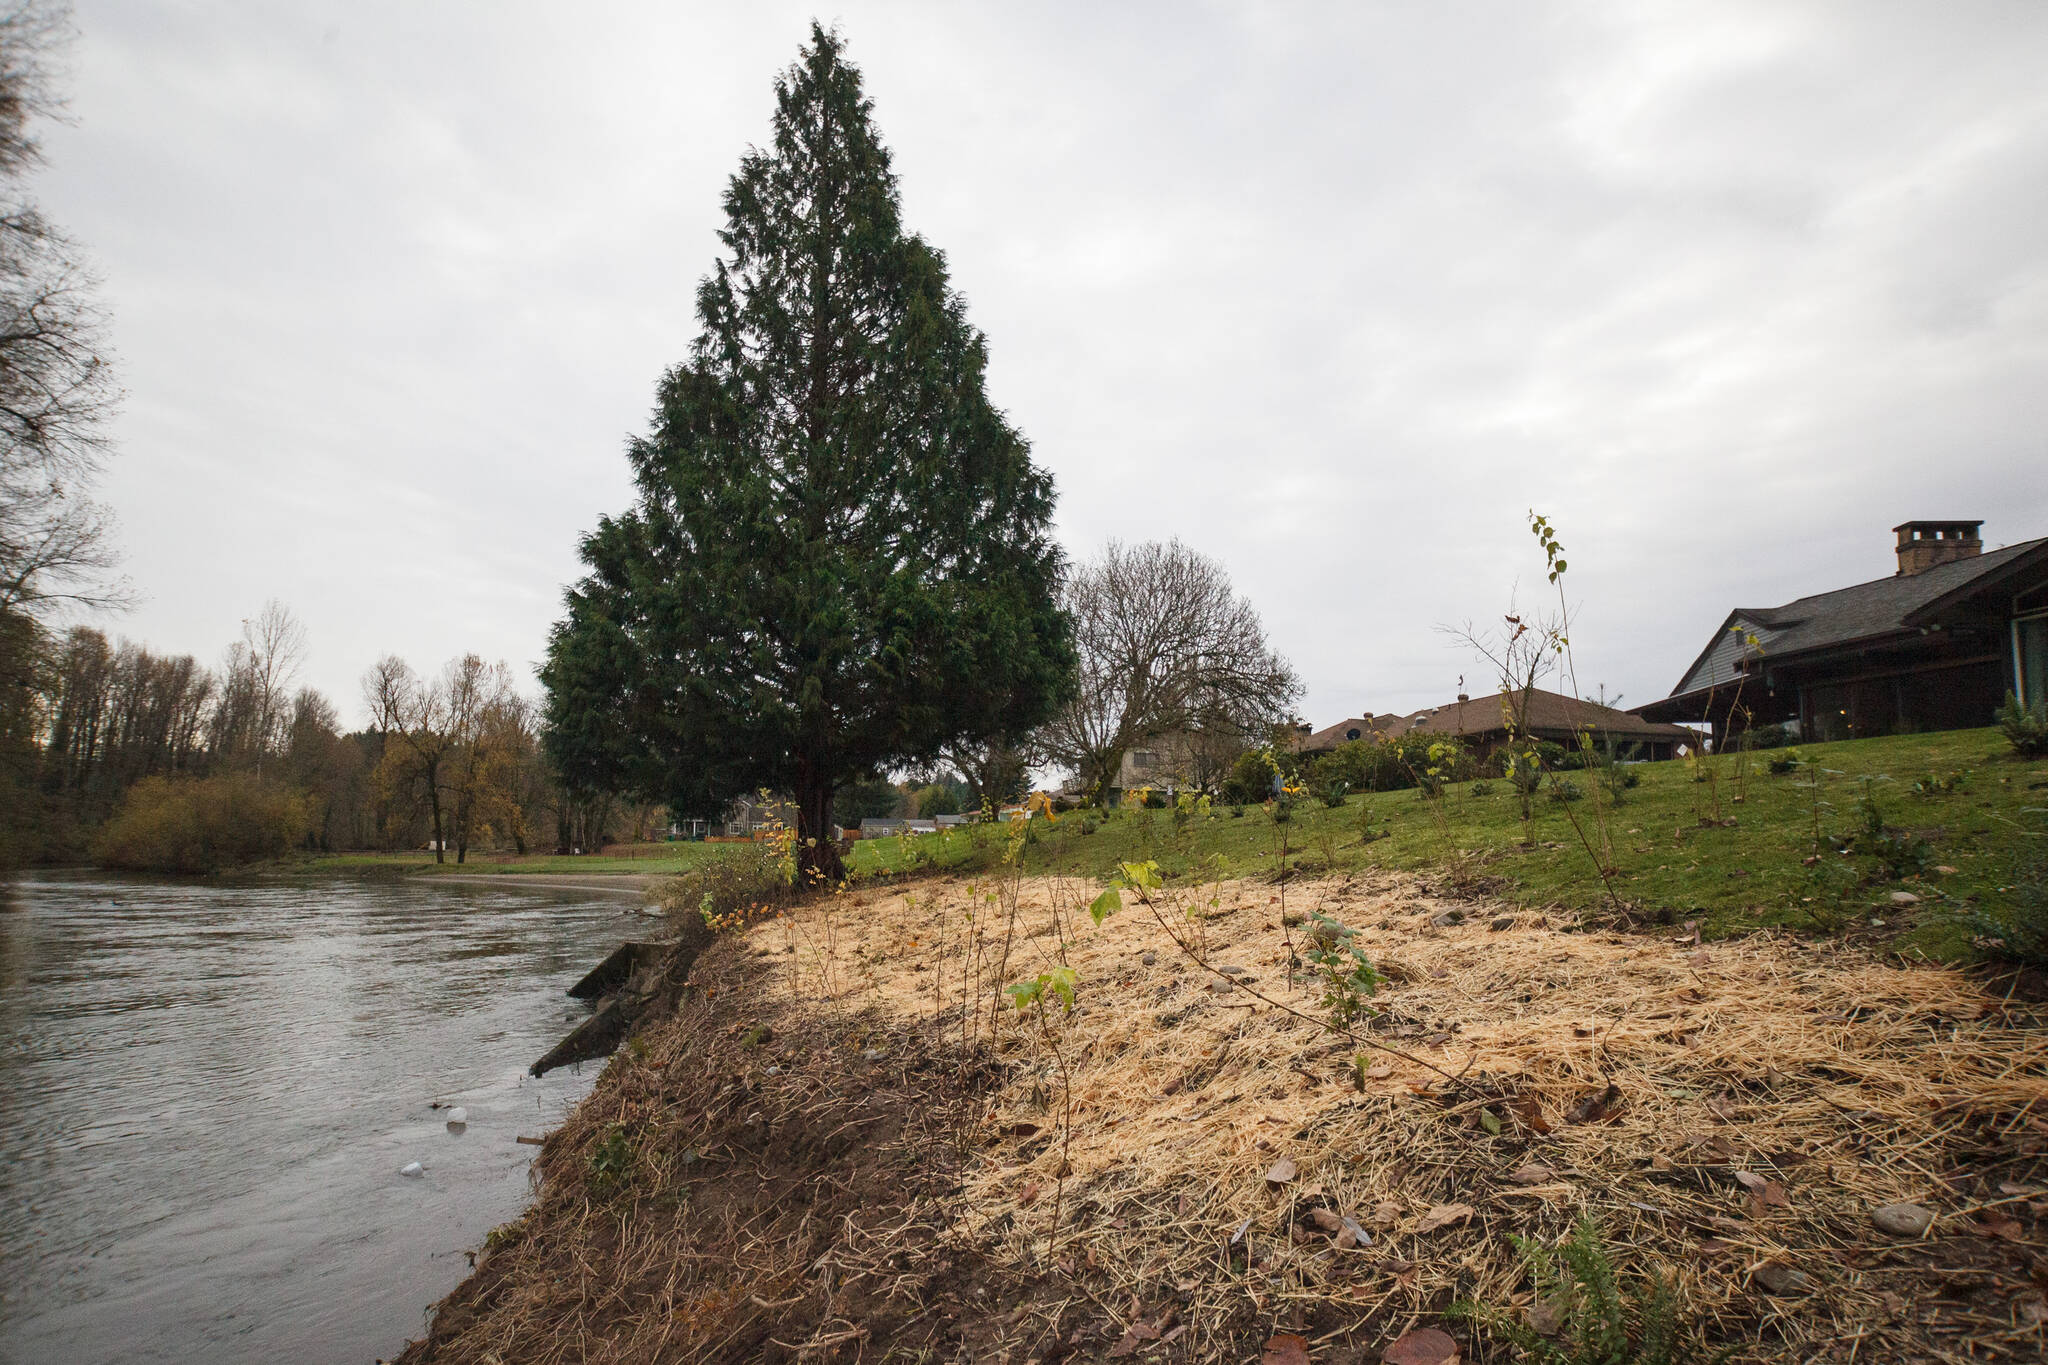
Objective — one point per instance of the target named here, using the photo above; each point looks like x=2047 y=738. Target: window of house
x=1352 y=733
x=2030 y=658
x=1141 y=758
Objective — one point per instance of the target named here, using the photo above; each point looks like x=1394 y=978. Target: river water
x=207 y=1093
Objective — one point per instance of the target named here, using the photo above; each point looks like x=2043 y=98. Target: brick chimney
x=1924 y=544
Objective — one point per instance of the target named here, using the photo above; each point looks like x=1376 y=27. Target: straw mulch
x=1182 y=1167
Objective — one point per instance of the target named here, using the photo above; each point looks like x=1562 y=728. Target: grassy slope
x=1750 y=873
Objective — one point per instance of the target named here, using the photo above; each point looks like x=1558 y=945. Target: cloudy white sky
x=1334 y=293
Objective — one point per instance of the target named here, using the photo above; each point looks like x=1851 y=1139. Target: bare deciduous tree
x=56 y=389
x=414 y=720
x=1165 y=644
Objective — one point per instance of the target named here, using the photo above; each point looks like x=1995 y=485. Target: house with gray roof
x=1936 y=646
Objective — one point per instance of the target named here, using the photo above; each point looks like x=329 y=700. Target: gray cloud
x=1334 y=293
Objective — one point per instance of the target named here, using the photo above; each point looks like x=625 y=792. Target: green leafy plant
x=1783 y=762
x=1587 y=1314
x=1939 y=784
x=2011 y=925
x=1481 y=789
x=1058 y=981
x=612 y=1159
x=1563 y=789
x=1897 y=852
x=2025 y=727
x=1348 y=976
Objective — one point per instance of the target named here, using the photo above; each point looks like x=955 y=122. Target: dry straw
x=847 y=1144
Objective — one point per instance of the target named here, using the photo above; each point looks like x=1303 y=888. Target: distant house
x=1935 y=646
x=750 y=814
x=1344 y=731
x=1180 y=760
x=1482 y=723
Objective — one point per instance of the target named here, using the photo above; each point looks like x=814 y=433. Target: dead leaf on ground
x=2031 y=1308
x=1545 y=1317
x=1722 y=1108
x=1992 y=1223
x=1285 y=1348
x=1134 y=1339
x=1443 y=1215
x=1531 y=1114
x=1380 y=1072
x=1595 y=1107
x=1535 y=1173
x=1282 y=1171
x=1386 y=1211
x=1427 y=1346
x=1028 y=1194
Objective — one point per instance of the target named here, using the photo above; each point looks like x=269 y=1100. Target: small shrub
x=1251 y=779
x=1482 y=789
x=1897 y=852
x=1598 y=1319
x=612 y=1159
x=1331 y=794
x=1938 y=784
x=1764 y=737
x=1348 y=977
x=2025 y=727
x=1782 y=763
x=1563 y=789
x=2012 y=925
x=1155 y=800
x=185 y=824
x=740 y=880
x=1237 y=812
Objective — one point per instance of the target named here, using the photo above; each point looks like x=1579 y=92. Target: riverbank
x=846 y=1141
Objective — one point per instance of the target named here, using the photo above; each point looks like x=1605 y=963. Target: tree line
x=450 y=761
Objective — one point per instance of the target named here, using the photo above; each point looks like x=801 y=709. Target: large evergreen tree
x=839 y=558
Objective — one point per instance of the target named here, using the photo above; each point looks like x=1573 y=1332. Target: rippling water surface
x=207 y=1092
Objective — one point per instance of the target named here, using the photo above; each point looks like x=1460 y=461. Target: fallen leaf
x=1282 y=1171
x=1722 y=1108
x=1134 y=1338
x=1992 y=1223
x=1326 y=1219
x=1028 y=1194
x=1427 y=1346
x=1242 y=1229
x=1443 y=1215
x=1771 y=1196
x=2031 y=1308
x=1380 y=1072
x=1285 y=1348
x=1545 y=1317
x=2010 y=1187
x=1535 y=1173
x=1596 y=1106
x=1531 y=1114
x=1386 y=1211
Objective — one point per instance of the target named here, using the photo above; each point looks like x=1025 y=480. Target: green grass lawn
x=1730 y=851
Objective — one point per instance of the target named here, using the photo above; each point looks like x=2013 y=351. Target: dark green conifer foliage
x=839 y=558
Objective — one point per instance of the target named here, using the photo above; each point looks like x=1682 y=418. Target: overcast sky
x=1333 y=293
